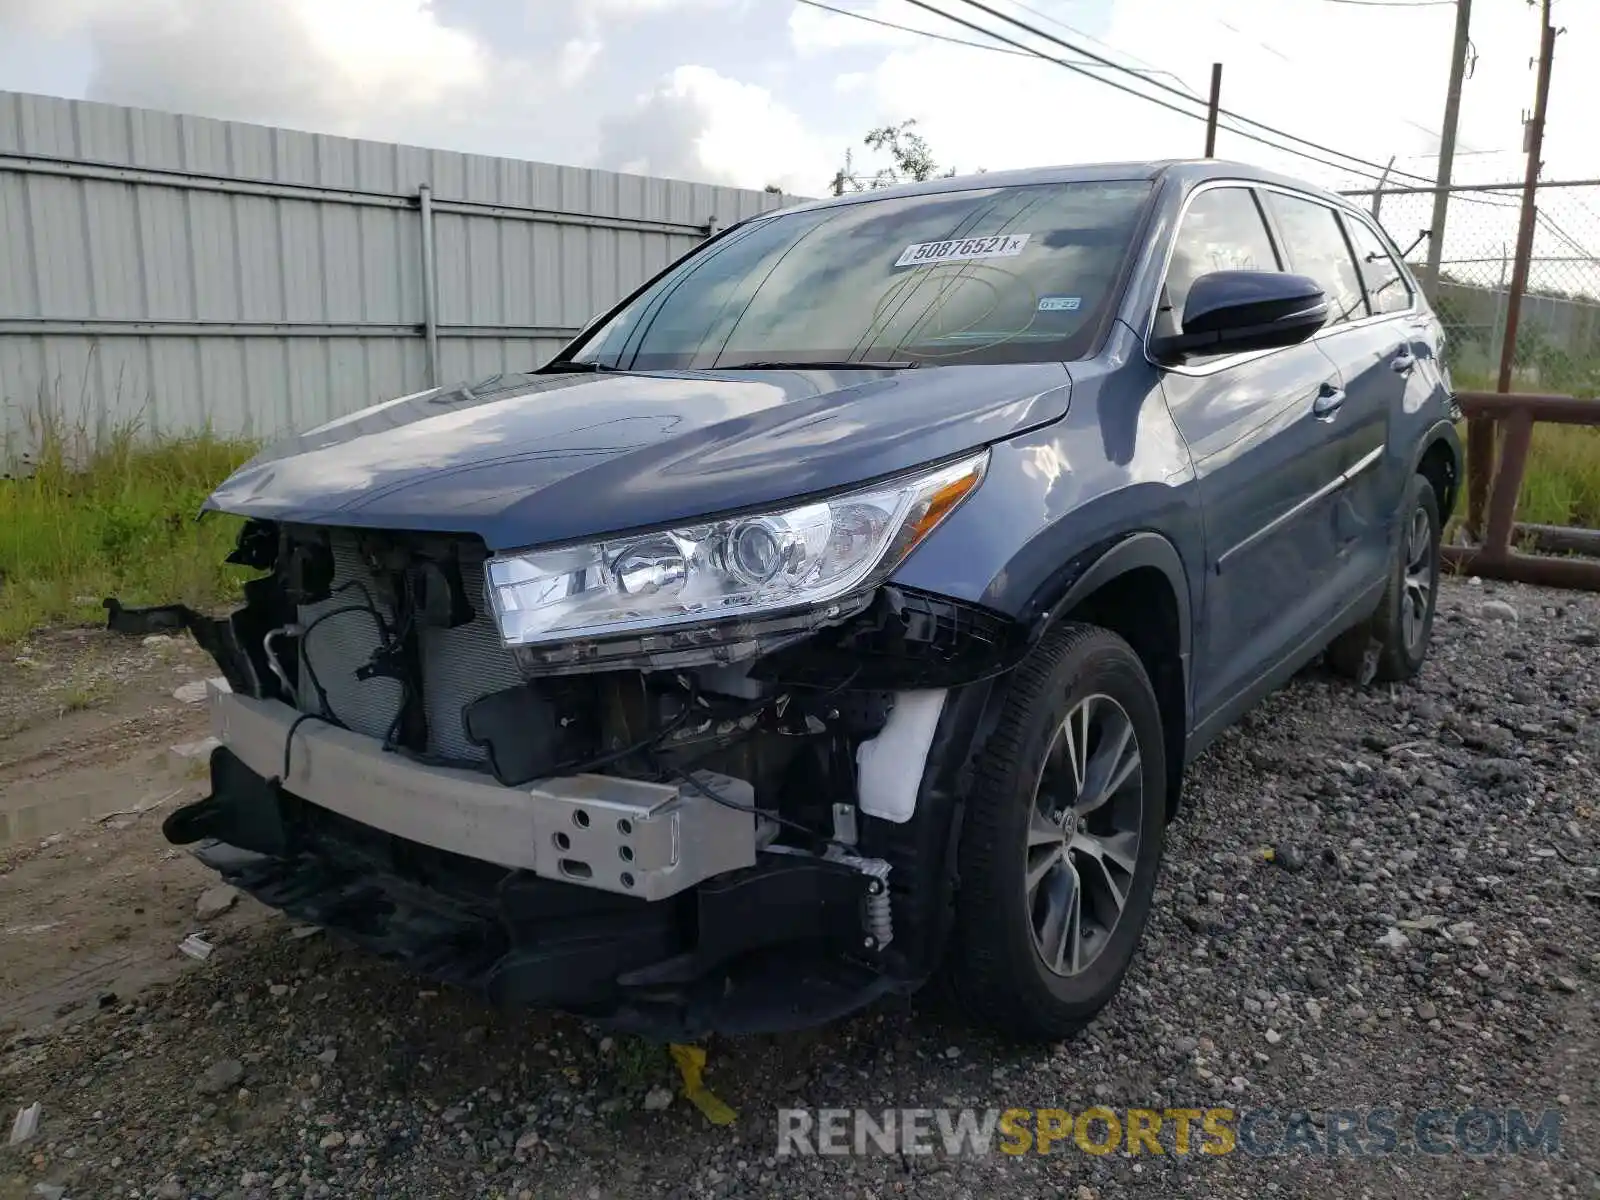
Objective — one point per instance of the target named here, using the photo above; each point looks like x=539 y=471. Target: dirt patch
x=88 y=721
x=93 y=901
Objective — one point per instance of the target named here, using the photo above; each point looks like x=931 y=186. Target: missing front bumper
x=771 y=947
x=626 y=836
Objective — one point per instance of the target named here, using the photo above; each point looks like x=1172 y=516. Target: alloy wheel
x=1421 y=568
x=1083 y=834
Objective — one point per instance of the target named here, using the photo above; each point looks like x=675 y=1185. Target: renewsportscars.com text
x=1256 y=1132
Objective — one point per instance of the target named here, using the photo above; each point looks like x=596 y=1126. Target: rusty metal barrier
x=1492 y=489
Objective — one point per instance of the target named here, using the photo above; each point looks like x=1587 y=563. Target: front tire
x=1392 y=644
x=1062 y=839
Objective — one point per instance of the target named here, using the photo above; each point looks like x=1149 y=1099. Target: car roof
x=1184 y=172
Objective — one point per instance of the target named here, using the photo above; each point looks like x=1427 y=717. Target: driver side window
x=1223 y=230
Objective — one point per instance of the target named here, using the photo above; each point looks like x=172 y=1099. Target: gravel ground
x=1422 y=935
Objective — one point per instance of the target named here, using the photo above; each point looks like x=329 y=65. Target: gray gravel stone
x=215 y=901
x=219 y=1076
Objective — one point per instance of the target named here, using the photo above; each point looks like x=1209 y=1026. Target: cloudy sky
x=757 y=92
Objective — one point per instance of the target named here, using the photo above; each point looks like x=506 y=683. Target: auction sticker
x=1004 y=245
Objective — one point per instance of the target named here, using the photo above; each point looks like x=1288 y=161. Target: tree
x=909 y=150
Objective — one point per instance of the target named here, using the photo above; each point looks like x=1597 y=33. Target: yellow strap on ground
x=691 y=1062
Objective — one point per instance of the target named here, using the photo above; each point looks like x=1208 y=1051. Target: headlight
x=789 y=558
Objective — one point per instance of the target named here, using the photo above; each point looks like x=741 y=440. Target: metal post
x=1211 y=110
x=1497 y=331
x=430 y=290
x=1377 y=192
x=1447 y=146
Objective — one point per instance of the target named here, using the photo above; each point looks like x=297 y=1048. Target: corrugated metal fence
x=185 y=272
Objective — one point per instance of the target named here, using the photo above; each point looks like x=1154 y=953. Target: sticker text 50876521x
x=1003 y=245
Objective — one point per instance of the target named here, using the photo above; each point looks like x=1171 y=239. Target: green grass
x=113 y=515
x=1562 y=483
x=638 y=1063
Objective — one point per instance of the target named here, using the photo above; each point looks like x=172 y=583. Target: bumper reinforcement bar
x=632 y=837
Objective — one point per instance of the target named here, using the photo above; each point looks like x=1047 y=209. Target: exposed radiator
x=461 y=664
x=458 y=665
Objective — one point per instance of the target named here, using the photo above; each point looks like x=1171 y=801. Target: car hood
x=536 y=459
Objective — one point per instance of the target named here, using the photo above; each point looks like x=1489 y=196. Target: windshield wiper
x=774 y=364
x=571 y=366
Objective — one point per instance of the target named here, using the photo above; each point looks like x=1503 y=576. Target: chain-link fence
x=1558 y=334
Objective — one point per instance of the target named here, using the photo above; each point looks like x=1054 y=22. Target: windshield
x=996 y=275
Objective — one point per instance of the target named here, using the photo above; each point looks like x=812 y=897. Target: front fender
x=1099 y=566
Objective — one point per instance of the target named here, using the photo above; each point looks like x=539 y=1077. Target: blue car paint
x=1231 y=468
x=552 y=458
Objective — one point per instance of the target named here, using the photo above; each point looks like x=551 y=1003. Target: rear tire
x=1392 y=644
x=1062 y=839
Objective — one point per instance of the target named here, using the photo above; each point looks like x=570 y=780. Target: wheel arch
x=1438 y=458
x=1095 y=584
x=1138 y=589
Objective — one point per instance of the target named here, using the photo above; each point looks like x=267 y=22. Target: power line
x=978 y=4
x=1292 y=61
x=1571 y=242
x=1153 y=69
x=1460 y=153
x=1394 y=3
x=938 y=37
x=1344 y=167
x=1017 y=49
x=942 y=37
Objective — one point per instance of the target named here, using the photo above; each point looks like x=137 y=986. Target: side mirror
x=1228 y=312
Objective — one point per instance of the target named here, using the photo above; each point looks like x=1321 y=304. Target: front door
x=1258 y=434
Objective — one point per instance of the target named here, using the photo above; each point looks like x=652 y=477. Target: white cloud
x=576 y=58
x=377 y=68
x=700 y=124
x=815 y=30
x=653 y=7
x=52 y=18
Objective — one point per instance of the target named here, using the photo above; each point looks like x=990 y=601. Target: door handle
x=1328 y=401
x=1402 y=363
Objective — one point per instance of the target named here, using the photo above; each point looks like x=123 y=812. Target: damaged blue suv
x=839 y=610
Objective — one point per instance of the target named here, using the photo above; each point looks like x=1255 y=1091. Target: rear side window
x=1222 y=230
x=1316 y=247
x=1387 y=289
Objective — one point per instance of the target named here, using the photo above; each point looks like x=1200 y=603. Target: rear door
x=1409 y=371
x=1263 y=460
x=1364 y=345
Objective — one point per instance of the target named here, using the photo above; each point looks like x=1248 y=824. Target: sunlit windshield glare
x=1013 y=274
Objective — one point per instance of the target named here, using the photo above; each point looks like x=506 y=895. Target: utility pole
x=1530 y=200
x=1211 y=110
x=1447 y=146
x=1480 y=431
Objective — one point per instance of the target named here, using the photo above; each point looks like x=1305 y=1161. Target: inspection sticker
x=1004 y=245
x=1060 y=303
